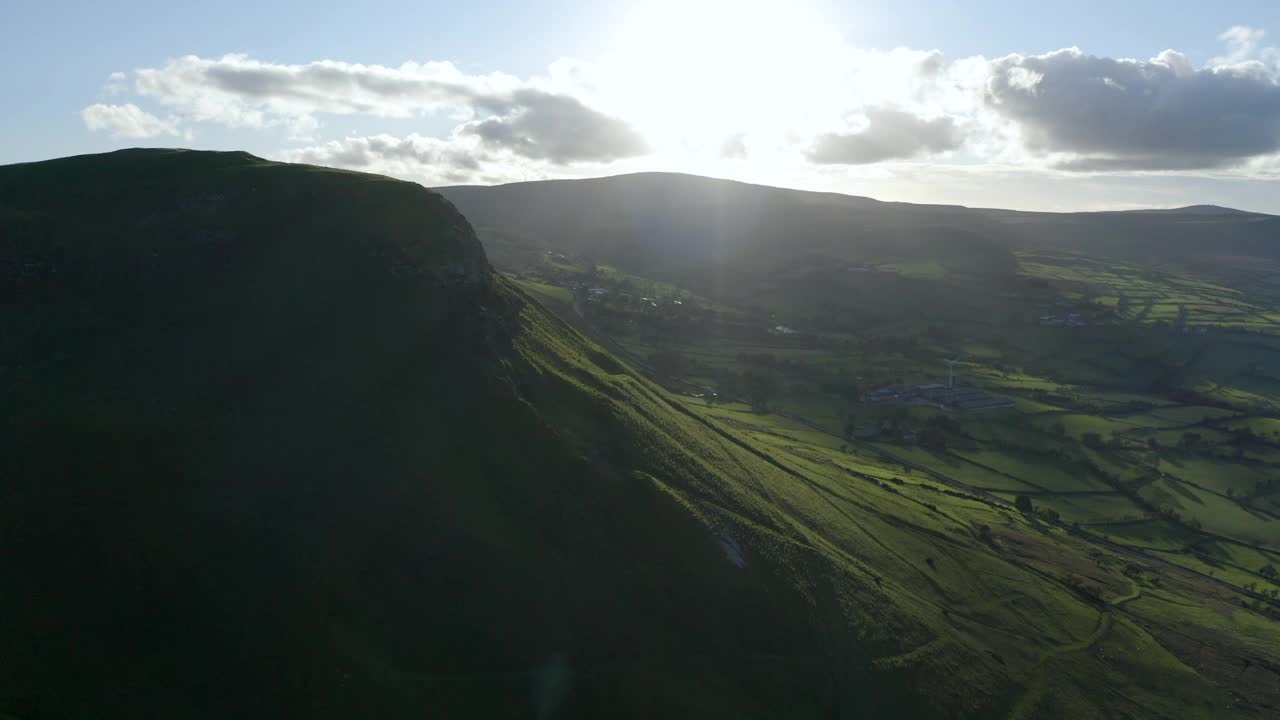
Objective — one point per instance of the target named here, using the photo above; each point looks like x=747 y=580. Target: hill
x=688 y=228
x=693 y=230
x=278 y=442
x=1197 y=210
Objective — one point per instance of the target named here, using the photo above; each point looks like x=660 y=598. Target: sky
x=1053 y=106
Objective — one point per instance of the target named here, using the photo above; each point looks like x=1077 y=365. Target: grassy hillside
x=1142 y=392
x=694 y=229
x=684 y=227
x=276 y=442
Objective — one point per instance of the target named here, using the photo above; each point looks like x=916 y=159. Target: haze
x=1060 y=106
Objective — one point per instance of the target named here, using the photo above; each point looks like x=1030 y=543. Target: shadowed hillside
x=684 y=226
x=278 y=443
x=688 y=229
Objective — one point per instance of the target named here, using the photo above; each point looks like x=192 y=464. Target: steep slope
x=275 y=440
x=277 y=443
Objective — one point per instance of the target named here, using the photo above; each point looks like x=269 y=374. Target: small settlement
x=941 y=394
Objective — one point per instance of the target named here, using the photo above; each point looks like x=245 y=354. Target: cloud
x=889 y=134
x=117 y=84
x=126 y=121
x=734 y=147
x=430 y=160
x=559 y=128
x=826 y=104
x=501 y=110
x=457 y=160
x=239 y=91
x=1104 y=114
x=1243 y=44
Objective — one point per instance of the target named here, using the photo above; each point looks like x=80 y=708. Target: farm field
x=1128 y=427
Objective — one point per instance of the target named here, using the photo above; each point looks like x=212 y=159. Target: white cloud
x=822 y=107
x=558 y=128
x=886 y=134
x=239 y=91
x=1103 y=114
x=529 y=120
x=429 y=160
x=1243 y=43
x=126 y=121
x=734 y=147
x=117 y=84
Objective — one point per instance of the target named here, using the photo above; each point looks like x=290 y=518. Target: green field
x=1098 y=409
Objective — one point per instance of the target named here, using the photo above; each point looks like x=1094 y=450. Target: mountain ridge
x=693 y=177
x=696 y=231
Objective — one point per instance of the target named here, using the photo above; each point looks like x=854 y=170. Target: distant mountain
x=687 y=225
x=682 y=226
x=1197 y=210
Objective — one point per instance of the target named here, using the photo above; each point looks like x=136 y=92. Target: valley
x=1140 y=397
x=1131 y=428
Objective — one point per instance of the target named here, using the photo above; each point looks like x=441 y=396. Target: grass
x=1215 y=474
x=1154 y=534
x=1065 y=385
x=1086 y=509
x=545 y=292
x=1218 y=515
x=1035 y=472
x=1076 y=425
x=1144 y=295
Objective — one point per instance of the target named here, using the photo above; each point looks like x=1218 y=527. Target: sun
x=691 y=75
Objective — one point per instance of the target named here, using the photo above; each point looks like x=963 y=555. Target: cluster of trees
x=1091 y=593
x=1167 y=513
x=1068 y=401
x=756 y=386
x=1270 y=604
x=1149 y=510
x=1245 y=435
x=1186 y=396
x=832 y=383
x=1261 y=488
x=769 y=370
x=1266 y=487
x=937 y=429
x=670 y=363
x=1191 y=441
x=1095 y=441
x=1025 y=506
